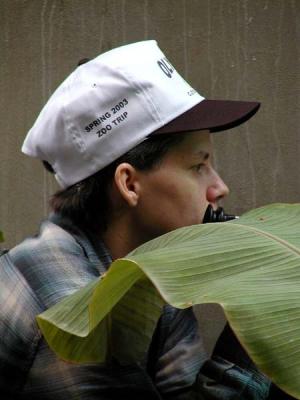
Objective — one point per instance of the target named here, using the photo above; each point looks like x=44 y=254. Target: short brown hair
x=87 y=203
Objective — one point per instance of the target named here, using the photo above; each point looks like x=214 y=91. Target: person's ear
x=127 y=183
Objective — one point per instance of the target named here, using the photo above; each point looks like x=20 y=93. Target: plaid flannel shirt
x=44 y=269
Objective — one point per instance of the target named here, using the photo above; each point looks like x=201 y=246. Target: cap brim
x=212 y=115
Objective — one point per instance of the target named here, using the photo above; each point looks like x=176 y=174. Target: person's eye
x=199 y=167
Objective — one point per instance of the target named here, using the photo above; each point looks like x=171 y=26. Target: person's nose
x=216 y=190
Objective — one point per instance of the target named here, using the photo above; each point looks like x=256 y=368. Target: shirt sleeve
x=230 y=374
x=222 y=379
x=181 y=369
x=176 y=353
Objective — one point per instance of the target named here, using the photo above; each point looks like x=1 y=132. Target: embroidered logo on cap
x=167 y=68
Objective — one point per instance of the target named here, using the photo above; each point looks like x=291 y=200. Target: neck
x=120 y=238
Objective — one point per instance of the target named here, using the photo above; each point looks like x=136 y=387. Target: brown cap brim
x=213 y=115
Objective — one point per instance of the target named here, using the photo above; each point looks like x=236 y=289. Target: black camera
x=217 y=215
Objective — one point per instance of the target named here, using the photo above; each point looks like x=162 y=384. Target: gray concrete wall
x=231 y=49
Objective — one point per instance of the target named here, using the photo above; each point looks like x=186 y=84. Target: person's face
x=177 y=192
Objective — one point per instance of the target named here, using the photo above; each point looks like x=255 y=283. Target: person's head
x=127 y=137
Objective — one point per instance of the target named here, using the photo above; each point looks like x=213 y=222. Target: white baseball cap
x=112 y=103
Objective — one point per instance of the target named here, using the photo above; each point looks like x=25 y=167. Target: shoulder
x=55 y=263
x=34 y=275
x=19 y=333
x=51 y=241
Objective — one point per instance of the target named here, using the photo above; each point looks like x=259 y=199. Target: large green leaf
x=251 y=267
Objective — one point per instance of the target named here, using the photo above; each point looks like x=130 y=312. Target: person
x=129 y=142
